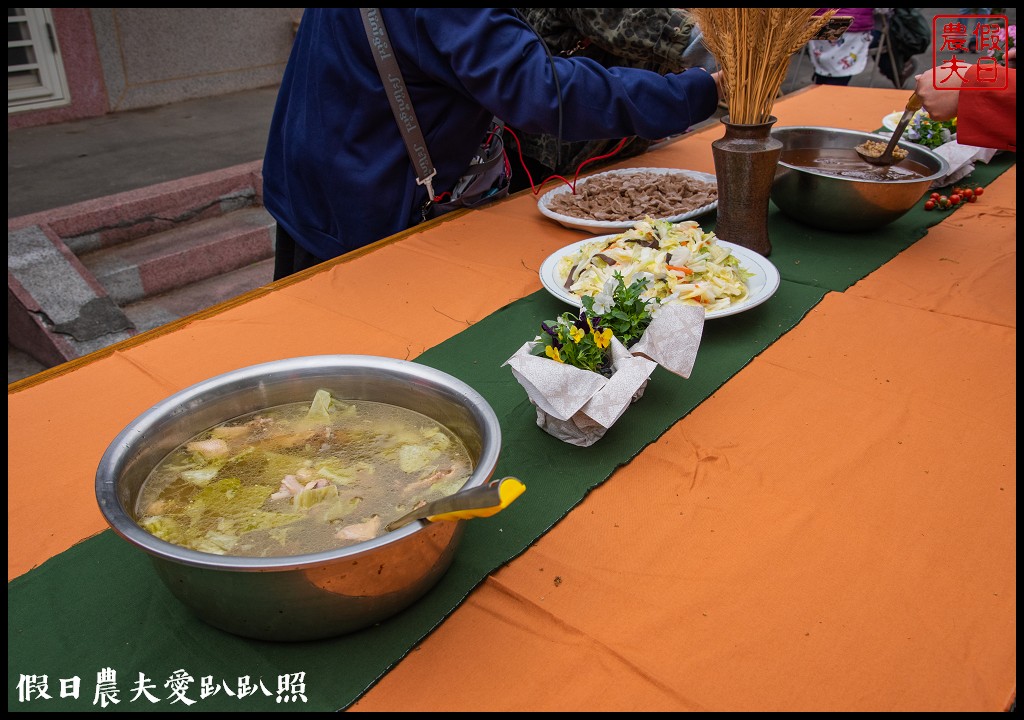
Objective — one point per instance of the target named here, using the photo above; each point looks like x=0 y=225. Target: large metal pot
x=299 y=597
x=846 y=204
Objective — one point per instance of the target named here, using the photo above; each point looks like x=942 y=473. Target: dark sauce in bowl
x=843 y=162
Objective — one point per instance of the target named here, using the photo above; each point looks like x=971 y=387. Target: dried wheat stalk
x=753 y=47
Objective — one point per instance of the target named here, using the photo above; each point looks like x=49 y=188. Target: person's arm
x=499 y=61
x=988 y=118
x=940 y=100
x=985 y=117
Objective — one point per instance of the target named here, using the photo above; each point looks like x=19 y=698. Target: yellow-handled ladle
x=482 y=501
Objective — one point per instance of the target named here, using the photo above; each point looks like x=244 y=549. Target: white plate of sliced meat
x=616 y=199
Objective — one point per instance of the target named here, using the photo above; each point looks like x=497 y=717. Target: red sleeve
x=988 y=118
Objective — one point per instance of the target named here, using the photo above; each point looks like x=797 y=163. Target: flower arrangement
x=594 y=377
x=577 y=341
x=930 y=133
x=584 y=340
x=1006 y=39
x=574 y=404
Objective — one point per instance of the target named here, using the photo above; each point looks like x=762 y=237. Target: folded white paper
x=673 y=337
x=961 y=159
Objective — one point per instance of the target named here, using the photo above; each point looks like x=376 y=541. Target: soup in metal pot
x=301 y=478
x=845 y=162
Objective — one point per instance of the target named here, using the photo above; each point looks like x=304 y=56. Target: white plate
x=761 y=286
x=890 y=121
x=598 y=226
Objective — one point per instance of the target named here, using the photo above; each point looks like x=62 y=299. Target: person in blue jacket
x=336 y=173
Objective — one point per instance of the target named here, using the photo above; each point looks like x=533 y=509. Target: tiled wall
x=120 y=59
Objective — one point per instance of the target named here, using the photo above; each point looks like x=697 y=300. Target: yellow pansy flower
x=603 y=338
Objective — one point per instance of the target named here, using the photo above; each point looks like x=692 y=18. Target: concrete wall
x=156 y=56
x=119 y=59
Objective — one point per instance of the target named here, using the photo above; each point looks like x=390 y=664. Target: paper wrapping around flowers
x=673 y=337
x=578 y=406
x=961 y=159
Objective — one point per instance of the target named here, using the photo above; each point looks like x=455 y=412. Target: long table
x=822 y=518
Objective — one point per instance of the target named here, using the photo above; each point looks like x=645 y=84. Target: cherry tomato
x=934 y=196
x=972 y=198
x=967 y=194
x=929 y=205
x=979 y=190
x=954 y=199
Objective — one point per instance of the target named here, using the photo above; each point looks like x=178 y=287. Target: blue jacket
x=336 y=174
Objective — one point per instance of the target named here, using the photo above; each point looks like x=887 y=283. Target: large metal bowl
x=846 y=204
x=298 y=597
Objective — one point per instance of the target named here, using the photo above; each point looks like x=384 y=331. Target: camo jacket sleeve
x=651 y=38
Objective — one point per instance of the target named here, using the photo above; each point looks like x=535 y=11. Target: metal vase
x=745 y=161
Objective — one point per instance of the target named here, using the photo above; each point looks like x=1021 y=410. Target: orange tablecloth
x=834 y=529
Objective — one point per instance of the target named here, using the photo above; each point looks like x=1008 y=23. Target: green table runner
x=99 y=605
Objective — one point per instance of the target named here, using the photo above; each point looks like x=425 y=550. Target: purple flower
x=552 y=332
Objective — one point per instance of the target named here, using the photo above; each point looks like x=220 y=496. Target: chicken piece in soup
x=301 y=478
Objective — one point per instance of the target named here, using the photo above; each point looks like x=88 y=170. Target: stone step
x=183 y=301
x=175 y=258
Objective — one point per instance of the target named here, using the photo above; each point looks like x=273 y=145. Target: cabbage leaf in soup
x=301 y=478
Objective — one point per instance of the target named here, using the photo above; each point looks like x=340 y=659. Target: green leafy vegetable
x=416 y=457
x=341 y=508
x=319 y=409
x=622 y=309
x=308 y=498
x=201 y=476
x=930 y=133
x=165 y=528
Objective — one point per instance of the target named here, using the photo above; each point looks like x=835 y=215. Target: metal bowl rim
x=941 y=172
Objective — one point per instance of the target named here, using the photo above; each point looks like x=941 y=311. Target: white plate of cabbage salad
x=890 y=121
x=684 y=265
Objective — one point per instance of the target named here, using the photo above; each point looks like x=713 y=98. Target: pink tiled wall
x=82 y=68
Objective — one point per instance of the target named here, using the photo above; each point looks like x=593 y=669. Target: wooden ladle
x=868 y=150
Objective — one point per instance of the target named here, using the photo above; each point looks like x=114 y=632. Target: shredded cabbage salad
x=683 y=264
